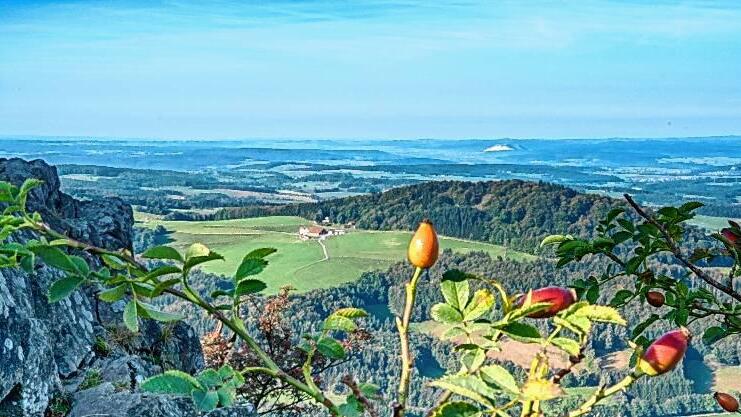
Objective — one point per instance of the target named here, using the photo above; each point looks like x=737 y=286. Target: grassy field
x=299 y=263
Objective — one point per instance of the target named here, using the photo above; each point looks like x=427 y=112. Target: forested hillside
x=517 y=213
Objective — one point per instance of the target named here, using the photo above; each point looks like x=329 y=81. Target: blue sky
x=370 y=69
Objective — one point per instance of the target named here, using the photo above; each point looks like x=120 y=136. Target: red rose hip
x=726 y=402
x=730 y=235
x=655 y=298
x=665 y=353
x=560 y=298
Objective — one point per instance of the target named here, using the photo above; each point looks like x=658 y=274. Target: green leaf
x=713 y=334
x=162 y=286
x=457 y=409
x=467 y=386
x=209 y=378
x=621 y=297
x=148 y=311
x=457 y=275
x=554 y=239
x=163 y=270
x=690 y=206
x=569 y=346
x=455 y=293
x=521 y=332
x=64 y=287
x=330 y=348
x=197 y=260
x=369 y=390
x=541 y=390
x=602 y=314
x=114 y=294
x=80 y=265
x=162 y=252
x=54 y=257
x=170 y=382
x=351 y=312
x=130 y=317
x=249 y=286
x=205 y=400
x=445 y=313
x=335 y=322
x=472 y=359
x=501 y=377
x=227 y=396
x=248 y=267
x=481 y=303
x=260 y=253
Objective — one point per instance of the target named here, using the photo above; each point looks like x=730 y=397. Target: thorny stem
x=235 y=324
x=406 y=356
x=603 y=393
x=677 y=252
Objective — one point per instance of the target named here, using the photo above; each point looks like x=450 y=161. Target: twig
x=350 y=382
x=677 y=252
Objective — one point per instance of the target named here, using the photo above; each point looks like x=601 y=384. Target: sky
x=370 y=69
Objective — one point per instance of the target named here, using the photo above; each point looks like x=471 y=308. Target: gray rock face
x=43 y=345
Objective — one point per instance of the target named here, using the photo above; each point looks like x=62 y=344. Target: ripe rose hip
x=424 y=248
x=730 y=235
x=726 y=402
x=665 y=353
x=655 y=298
x=559 y=297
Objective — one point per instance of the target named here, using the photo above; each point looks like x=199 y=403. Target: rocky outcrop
x=53 y=349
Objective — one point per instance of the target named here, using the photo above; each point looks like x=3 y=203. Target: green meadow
x=302 y=263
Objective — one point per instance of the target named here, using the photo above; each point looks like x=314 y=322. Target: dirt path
x=324 y=249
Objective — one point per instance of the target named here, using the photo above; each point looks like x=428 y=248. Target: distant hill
x=514 y=212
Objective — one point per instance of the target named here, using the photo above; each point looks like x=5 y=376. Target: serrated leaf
x=151 y=312
x=445 y=313
x=54 y=257
x=481 y=303
x=351 y=312
x=541 y=390
x=249 y=286
x=81 y=265
x=130 y=317
x=162 y=252
x=554 y=239
x=330 y=348
x=260 y=253
x=457 y=409
x=569 y=346
x=455 y=293
x=163 y=270
x=713 y=334
x=335 y=322
x=162 y=286
x=597 y=313
x=521 y=332
x=501 y=377
x=64 y=287
x=170 y=382
x=114 y=294
x=467 y=386
x=249 y=267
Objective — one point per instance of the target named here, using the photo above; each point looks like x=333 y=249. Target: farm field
x=712 y=223
x=301 y=263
